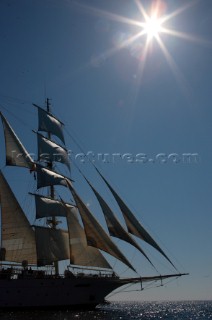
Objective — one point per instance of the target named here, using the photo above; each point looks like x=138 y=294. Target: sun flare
x=149 y=29
x=152 y=27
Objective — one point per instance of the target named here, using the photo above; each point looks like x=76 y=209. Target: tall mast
x=53 y=221
x=50 y=164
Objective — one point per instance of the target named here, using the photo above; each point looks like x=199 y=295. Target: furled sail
x=48 y=207
x=114 y=226
x=18 y=238
x=80 y=253
x=95 y=234
x=133 y=225
x=52 y=245
x=48 y=123
x=16 y=154
x=47 y=177
x=50 y=151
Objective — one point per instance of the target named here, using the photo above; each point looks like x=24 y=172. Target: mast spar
x=53 y=221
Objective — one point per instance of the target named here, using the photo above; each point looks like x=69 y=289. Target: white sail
x=80 y=253
x=52 y=245
x=48 y=123
x=47 y=207
x=133 y=225
x=95 y=234
x=50 y=151
x=114 y=226
x=16 y=154
x=47 y=177
x=18 y=238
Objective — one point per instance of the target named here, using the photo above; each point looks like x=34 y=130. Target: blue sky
x=114 y=101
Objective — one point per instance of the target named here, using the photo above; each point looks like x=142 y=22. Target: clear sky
x=150 y=104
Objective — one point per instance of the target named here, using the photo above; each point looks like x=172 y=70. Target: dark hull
x=80 y=293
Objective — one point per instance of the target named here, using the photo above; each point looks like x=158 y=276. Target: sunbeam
x=110 y=52
x=186 y=36
x=180 y=79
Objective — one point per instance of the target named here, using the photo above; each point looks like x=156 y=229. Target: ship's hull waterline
x=56 y=292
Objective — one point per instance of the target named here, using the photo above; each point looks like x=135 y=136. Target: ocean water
x=191 y=310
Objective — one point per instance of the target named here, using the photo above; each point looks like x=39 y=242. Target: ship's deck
x=11 y=271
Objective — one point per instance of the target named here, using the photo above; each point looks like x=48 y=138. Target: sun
x=152 y=27
x=149 y=28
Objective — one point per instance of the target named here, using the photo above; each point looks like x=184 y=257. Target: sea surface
x=191 y=310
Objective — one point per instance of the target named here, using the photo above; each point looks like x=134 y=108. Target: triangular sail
x=48 y=123
x=95 y=234
x=133 y=225
x=46 y=177
x=16 y=154
x=18 y=238
x=50 y=151
x=52 y=245
x=114 y=226
x=80 y=253
x=47 y=207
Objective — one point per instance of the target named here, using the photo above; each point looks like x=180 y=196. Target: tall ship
x=31 y=253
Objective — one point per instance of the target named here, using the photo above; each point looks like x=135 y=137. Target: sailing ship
x=30 y=254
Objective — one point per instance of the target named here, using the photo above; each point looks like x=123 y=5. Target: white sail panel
x=18 y=238
x=50 y=151
x=95 y=234
x=80 y=253
x=16 y=154
x=133 y=225
x=46 y=177
x=52 y=245
x=48 y=123
x=46 y=207
x=114 y=226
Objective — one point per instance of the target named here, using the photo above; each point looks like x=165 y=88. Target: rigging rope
x=16 y=117
x=118 y=240
x=74 y=140
x=91 y=162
